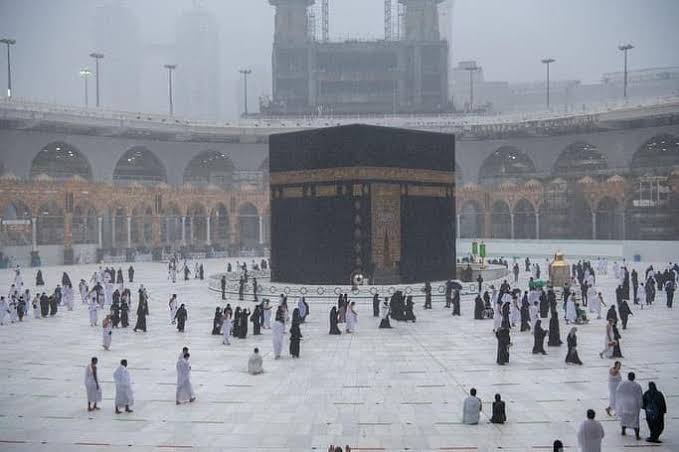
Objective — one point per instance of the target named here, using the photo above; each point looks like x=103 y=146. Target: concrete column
x=183 y=230
x=113 y=231
x=486 y=225
x=192 y=236
x=511 y=221
x=593 y=225
x=537 y=225
x=207 y=230
x=68 y=230
x=129 y=232
x=623 y=231
x=100 y=232
x=457 y=225
x=34 y=234
x=155 y=230
x=261 y=230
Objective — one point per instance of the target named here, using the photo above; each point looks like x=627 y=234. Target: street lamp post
x=97 y=57
x=624 y=49
x=85 y=74
x=547 y=62
x=170 y=68
x=9 y=42
x=245 y=73
x=471 y=69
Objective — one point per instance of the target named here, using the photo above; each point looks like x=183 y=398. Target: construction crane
x=387 y=20
x=325 y=17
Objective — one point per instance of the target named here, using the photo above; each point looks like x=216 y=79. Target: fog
x=507 y=37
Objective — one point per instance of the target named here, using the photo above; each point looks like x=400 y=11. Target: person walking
x=590 y=434
x=653 y=403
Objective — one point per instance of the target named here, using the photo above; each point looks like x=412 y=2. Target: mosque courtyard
x=375 y=390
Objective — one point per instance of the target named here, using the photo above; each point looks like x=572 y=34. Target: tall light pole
x=245 y=73
x=471 y=69
x=547 y=62
x=85 y=74
x=624 y=49
x=97 y=57
x=9 y=42
x=170 y=68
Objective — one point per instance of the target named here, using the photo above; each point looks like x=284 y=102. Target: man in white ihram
x=628 y=400
x=184 y=389
x=124 y=396
x=472 y=409
x=590 y=434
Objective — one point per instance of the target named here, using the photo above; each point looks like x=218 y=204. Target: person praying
x=255 y=363
x=499 y=415
x=471 y=411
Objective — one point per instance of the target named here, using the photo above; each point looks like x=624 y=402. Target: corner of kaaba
x=359 y=199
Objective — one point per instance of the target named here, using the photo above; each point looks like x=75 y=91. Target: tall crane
x=387 y=20
x=325 y=17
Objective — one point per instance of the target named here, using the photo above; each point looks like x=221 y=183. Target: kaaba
x=359 y=199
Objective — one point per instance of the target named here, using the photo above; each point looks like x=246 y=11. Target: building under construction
x=406 y=72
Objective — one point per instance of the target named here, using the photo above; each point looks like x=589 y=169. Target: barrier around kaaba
x=361 y=199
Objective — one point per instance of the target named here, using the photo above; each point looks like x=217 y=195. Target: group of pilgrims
x=174 y=266
x=508 y=307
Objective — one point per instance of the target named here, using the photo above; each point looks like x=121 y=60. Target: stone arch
x=507 y=163
x=196 y=223
x=210 y=168
x=118 y=220
x=471 y=220
x=142 y=225
x=85 y=225
x=524 y=220
x=554 y=210
x=657 y=156
x=248 y=225
x=580 y=216
x=609 y=219
x=220 y=224
x=139 y=164
x=50 y=224
x=500 y=220
x=171 y=224
x=60 y=160
x=579 y=159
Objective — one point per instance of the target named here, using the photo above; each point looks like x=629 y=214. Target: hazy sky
x=507 y=37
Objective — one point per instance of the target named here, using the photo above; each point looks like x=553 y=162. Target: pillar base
x=35 y=259
x=157 y=253
x=69 y=256
x=129 y=254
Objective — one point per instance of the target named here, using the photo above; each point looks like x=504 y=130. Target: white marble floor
x=399 y=389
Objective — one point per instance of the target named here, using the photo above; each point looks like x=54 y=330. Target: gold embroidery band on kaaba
x=362 y=173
